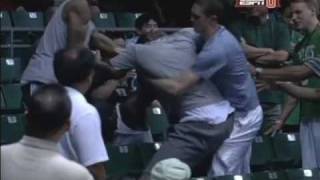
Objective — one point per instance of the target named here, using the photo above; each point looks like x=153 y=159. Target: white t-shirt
x=83 y=143
x=38 y=159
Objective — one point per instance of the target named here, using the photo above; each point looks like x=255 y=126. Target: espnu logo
x=249 y=3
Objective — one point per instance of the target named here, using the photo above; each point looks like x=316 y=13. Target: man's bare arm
x=277 y=56
x=178 y=85
x=104 y=44
x=288 y=108
x=288 y=73
x=254 y=52
x=77 y=15
x=312 y=94
x=98 y=171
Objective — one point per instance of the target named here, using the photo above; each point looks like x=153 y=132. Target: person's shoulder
x=75 y=5
x=228 y=38
x=8 y=148
x=70 y=169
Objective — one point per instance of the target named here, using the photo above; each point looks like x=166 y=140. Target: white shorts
x=233 y=157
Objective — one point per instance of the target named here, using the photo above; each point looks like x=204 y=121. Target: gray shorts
x=310 y=143
x=192 y=142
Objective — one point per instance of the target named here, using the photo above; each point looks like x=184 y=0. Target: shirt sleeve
x=314 y=64
x=126 y=59
x=88 y=141
x=209 y=61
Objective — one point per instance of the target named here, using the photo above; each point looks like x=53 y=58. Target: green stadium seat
x=270 y=175
x=233 y=177
x=124 y=161
x=287 y=151
x=24 y=54
x=12 y=96
x=303 y=174
x=262 y=154
x=12 y=128
x=5 y=19
x=32 y=25
x=24 y=19
x=105 y=20
x=147 y=150
x=10 y=70
x=158 y=122
x=5 y=52
x=3 y=102
x=126 y=19
x=5 y=28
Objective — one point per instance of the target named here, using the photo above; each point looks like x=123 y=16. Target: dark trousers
x=192 y=142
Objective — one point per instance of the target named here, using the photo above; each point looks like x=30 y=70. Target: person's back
x=36 y=159
x=36 y=156
x=55 y=37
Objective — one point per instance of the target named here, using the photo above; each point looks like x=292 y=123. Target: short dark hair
x=312 y=4
x=211 y=7
x=143 y=19
x=73 y=65
x=48 y=110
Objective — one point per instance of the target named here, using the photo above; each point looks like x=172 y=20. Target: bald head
x=49 y=109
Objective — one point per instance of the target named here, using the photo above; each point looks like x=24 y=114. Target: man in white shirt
x=74 y=68
x=36 y=156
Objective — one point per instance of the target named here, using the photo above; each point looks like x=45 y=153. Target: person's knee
x=170 y=169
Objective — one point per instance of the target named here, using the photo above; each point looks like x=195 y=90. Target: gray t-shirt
x=168 y=57
x=223 y=62
x=54 y=38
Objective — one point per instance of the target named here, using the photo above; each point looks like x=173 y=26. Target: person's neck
x=211 y=32
x=313 y=25
x=80 y=87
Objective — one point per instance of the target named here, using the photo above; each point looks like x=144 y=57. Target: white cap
x=170 y=169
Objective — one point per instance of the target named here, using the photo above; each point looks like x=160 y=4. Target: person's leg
x=233 y=157
x=191 y=142
x=310 y=146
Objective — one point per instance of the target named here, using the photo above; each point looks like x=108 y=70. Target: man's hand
x=266 y=85
x=274 y=128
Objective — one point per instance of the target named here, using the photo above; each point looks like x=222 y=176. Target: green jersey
x=272 y=34
x=307 y=52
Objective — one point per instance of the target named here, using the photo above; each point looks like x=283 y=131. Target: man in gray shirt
x=202 y=117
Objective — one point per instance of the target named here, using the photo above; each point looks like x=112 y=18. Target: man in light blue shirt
x=222 y=61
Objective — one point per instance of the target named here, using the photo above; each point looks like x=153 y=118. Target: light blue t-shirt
x=223 y=62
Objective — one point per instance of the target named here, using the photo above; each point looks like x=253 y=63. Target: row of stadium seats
x=34 y=20
x=268 y=153
x=12 y=108
x=289 y=174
